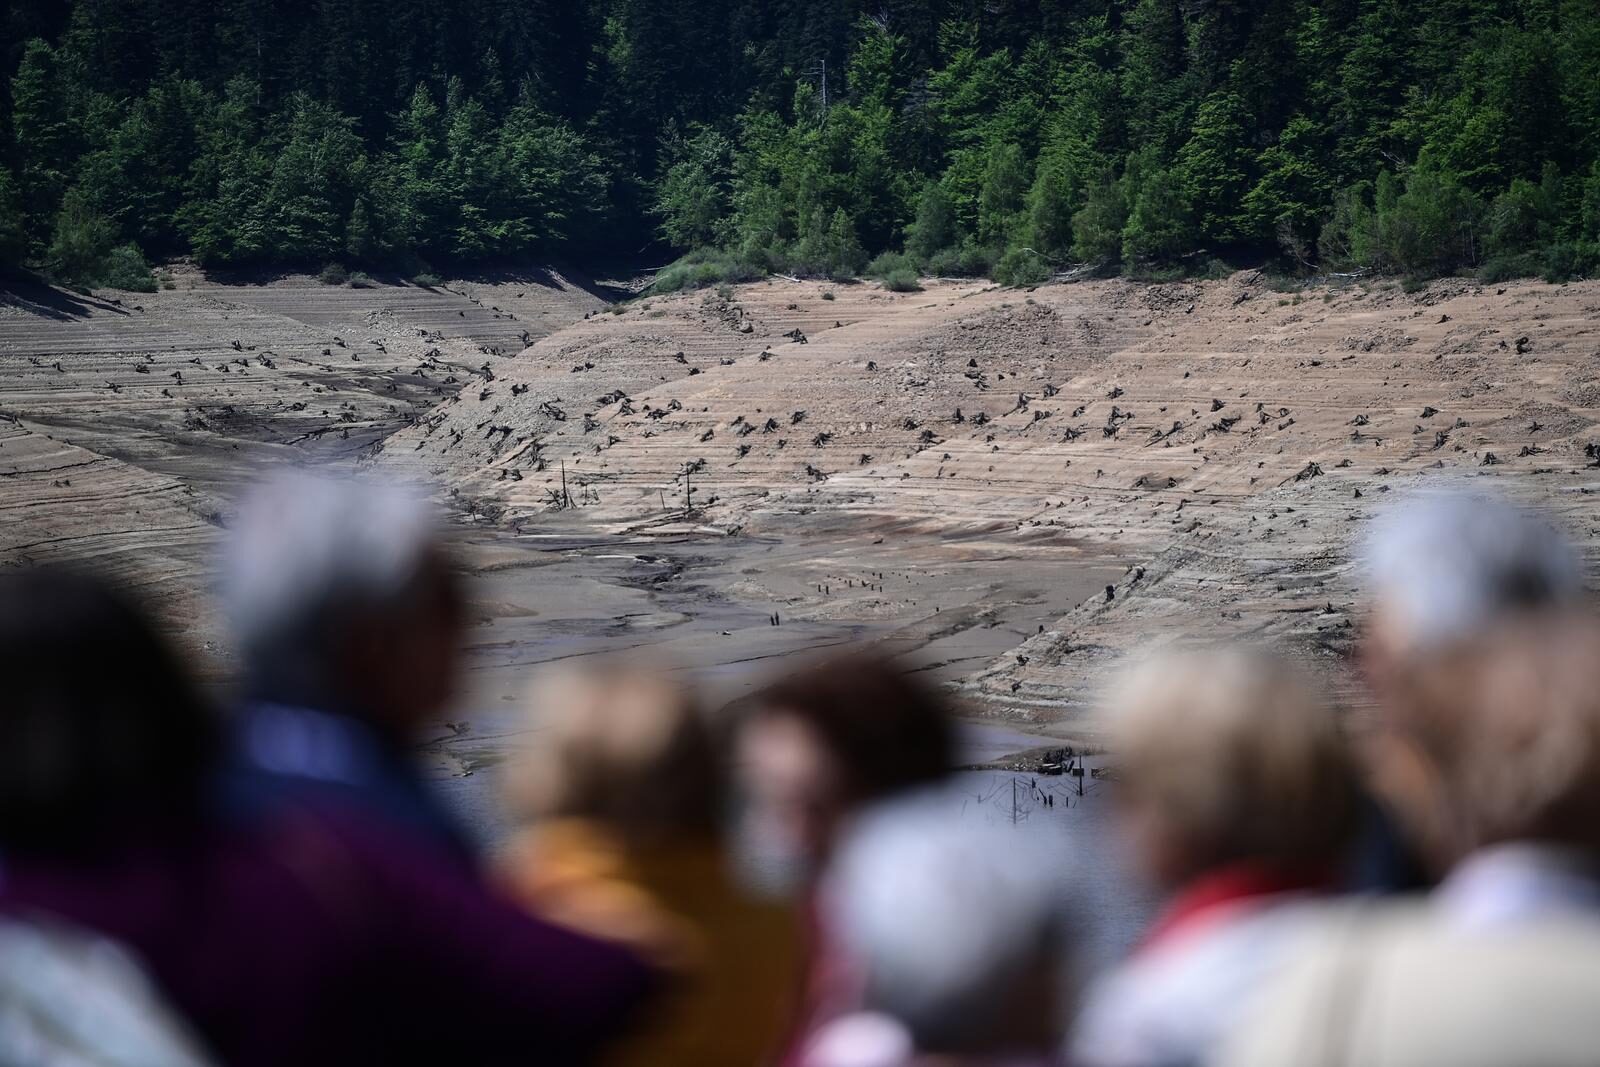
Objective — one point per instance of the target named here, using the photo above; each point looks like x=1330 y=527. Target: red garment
x=831 y=986
x=1224 y=891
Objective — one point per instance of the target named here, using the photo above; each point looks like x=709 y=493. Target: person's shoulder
x=1173 y=1001
x=72 y=996
x=1397 y=983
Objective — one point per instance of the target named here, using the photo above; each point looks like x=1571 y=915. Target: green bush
x=1097 y=226
x=827 y=294
x=83 y=252
x=887 y=263
x=82 y=240
x=846 y=256
x=1524 y=216
x=1504 y=268
x=1159 y=227
x=975 y=260
x=934 y=230
x=703 y=268
x=1432 y=228
x=125 y=268
x=427 y=280
x=1569 y=260
x=360 y=280
x=13 y=235
x=943 y=263
x=333 y=274
x=902 y=281
x=1021 y=266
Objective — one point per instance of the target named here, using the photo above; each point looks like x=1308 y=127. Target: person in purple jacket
x=304 y=930
x=349 y=619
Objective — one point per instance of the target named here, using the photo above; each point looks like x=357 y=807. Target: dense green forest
x=1005 y=137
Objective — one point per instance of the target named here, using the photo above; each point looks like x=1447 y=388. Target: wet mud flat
x=706 y=603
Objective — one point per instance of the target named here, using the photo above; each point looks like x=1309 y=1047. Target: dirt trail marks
x=1221 y=439
x=164 y=397
x=914 y=465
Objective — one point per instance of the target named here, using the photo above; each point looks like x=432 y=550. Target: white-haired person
x=1441 y=567
x=961 y=934
x=1236 y=794
x=365 y=927
x=349 y=619
x=1500 y=965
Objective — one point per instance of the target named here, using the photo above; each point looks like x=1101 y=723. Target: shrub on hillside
x=1506 y=267
x=934 y=230
x=125 y=268
x=83 y=252
x=1097 y=226
x=703 y=268
x=82 y=240
x=887 y=263
x=427 y=280
x=1021 y=266
x=902 y=281
x=333 y=274
x=1569 y=260
x=975 y=260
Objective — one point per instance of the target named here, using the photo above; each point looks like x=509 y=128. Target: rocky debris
x=1310 y=470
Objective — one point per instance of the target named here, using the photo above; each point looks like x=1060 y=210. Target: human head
x=624 y=746
x=1441 y=565
x=1506 y=724
x=833 y=736
x=957 y=926
x=1228 y=755
x=342 y=596
x=101 y=730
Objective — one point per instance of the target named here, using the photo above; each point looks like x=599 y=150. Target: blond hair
x=623 y=745
x=1236 y=754
x=1510 y=723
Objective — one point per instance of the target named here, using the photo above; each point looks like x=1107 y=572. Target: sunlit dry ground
x=962 y=470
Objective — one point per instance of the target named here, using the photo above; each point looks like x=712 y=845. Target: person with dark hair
x=76 y=775
x=831 y=738
x=296 y=933
x=814 y=750
x=92 y=755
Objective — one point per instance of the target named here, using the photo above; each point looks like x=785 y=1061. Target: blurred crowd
x=271 y=878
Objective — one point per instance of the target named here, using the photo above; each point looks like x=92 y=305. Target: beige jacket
x=1401 y=985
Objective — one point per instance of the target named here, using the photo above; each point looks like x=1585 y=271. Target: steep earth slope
x=1221 y=441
